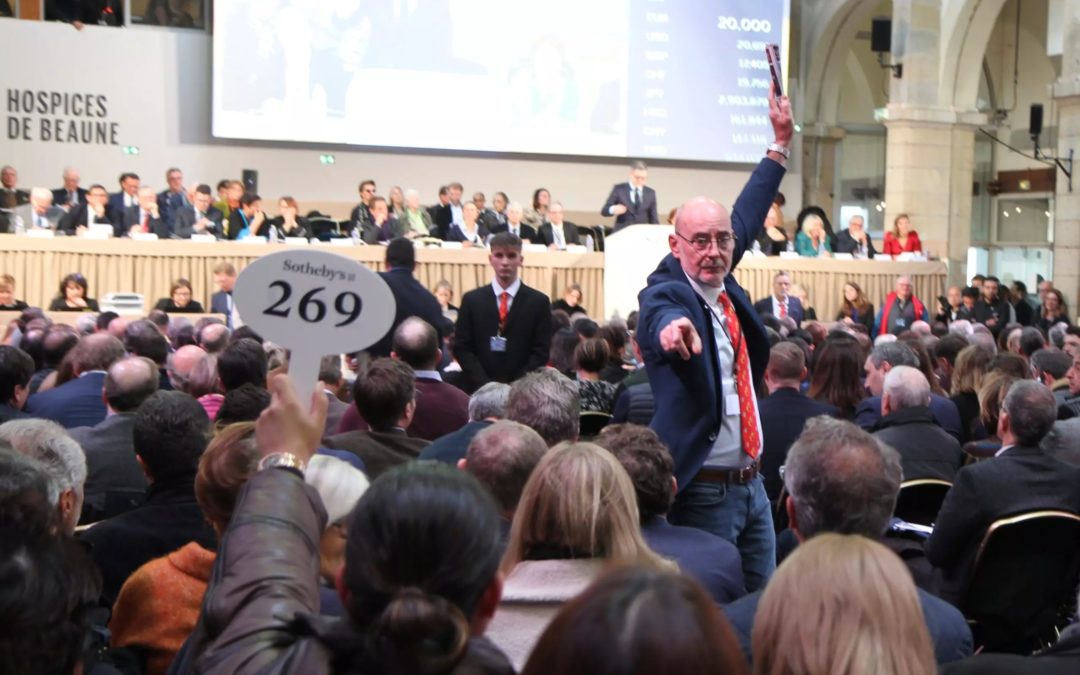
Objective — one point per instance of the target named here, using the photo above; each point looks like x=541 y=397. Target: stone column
x=1066 y=92
x=819 y=168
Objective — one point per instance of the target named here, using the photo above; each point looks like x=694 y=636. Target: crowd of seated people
x=449 y=504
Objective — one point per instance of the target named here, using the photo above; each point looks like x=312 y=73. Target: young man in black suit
x=632 y=202
x=503 y=330
x=1019 y=478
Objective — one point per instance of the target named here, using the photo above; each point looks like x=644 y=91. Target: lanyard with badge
x=497 y=343
x=731 y=401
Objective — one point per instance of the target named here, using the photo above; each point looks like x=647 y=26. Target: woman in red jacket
x=902 y=238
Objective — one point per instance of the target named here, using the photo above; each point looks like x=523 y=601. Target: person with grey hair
x=908 y=426
x=486 y=406
x=960 y=327
x=24 y=492
x=502 y=457
x=884 y=358
x=549 y=403
x=214 y=337
x=842 y=480
x=181 y=363
x=115 y=480
x=39 y=213
x=61 y=459
x=1050 y=367
x=86 y=324
x=981 y=335
x=1031 y=341
x=1019 y=478
x=1057 y=333
x=514 y=225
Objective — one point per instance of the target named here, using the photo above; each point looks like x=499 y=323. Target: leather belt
x=725 y=476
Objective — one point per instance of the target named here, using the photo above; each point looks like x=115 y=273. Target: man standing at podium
x=704 y=346
x=632 y=202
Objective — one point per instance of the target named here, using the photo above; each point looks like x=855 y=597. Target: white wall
x=158 y=86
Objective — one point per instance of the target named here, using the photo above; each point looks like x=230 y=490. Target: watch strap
x=779 y=149
x=283 y=460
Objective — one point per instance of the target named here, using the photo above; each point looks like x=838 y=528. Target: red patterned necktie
x=146 y=221
x=504 y=310
x=751 y=443
x=783 y=308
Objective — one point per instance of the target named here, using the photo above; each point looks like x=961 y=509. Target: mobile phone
x=772 y=52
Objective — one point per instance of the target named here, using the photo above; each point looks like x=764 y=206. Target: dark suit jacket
x=570 y=232
x=441 y=408
x=110 y=462
x=8 y=413
x=169 y=204
x=948 y=628
x=713 y=561
x=689 y=407
x=236 y=225
x=845 y=243
x=643 y=212
x=219 y=304
x=456 y=234
x=452 y=447
x=114 y=208
x=926 y=450
x=73 y=404
x=868 y=413
x=528 y=336
x=379 y=450
x=412 y=300
x=1062 y=658
x=184 y=225
x=60 y=196
x=334 y=412
x=168 y=519
x=81 y=215
x=528 y=232
x=783 y=415
x=794 y=308
x=1022 y=479
x=131 y=218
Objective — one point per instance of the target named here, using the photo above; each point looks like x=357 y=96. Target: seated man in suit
x=713 y=561
x=385 y=396
x=39 y=214
x=883 y=358
x=79 y=402
x=470 y=232
x=632 y=202
x=448 y=213
x=126 y=198
x=109 y=448
x=781 y=304
x=908 y=426
x=1019 y=478
x=488 y=217
x=784 y=411
x=486 y=406
x=383 y=224
x=523 y=231
x=173 y=199
x=10 y=195
x=71 y=195
x=841 y=479
x=170 y=433
x=501 y=457
x=361 y=213
x=144 y=218
x=16 y=369
x=93 y=212
x=198 y=218
x=503 y=330
x=556 y=233
x=855 y=239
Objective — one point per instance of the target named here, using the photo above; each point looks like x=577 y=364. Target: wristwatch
x=780 y=150
x=283 y=460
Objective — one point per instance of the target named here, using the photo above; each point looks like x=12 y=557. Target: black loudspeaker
x=881 y=35
x=1035 y=121
x=251 y=181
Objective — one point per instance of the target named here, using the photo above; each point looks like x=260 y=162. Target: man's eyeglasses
x=701 y=242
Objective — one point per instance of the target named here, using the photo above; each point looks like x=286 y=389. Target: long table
x=150 y=267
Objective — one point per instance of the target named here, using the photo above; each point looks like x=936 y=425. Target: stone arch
x=826 y=45
x=965 y=32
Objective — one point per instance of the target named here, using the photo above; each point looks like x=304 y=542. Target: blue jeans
x=740 y=514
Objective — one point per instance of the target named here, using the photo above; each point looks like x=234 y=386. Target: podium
x=630 y=256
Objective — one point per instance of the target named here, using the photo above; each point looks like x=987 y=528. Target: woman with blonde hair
x=967 y=378
x=577 y=514
x=812 y=241
x=841 y=605
x=902 y=238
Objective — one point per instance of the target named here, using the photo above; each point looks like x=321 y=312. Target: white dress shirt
x=512 y=290
x=727 y=451
x=776 y=306
x=559 y=236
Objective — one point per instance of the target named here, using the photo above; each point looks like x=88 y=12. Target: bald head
x=417 y=344
x=905 y=387
x=181 y=363
x=214 y=338
x=703 y=242
x=97 y=352
x=118 y=327
x=129 y=382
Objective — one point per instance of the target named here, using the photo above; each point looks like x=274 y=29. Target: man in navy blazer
x=691 y=353
x=780 y=304
x=712 y=561
x=632 y=202
x=884 y=358
x=785 y=411
x=78 y=403
x=841 y=479
x=125 y=199
x=71 y=195
x=410 y=295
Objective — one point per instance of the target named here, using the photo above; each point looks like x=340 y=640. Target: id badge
x=731 y=405
x=497 y=343
x=901 y=323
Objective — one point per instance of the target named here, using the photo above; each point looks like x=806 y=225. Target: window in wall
x=862 y=177
x=173 y=13
x=1020 y=246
